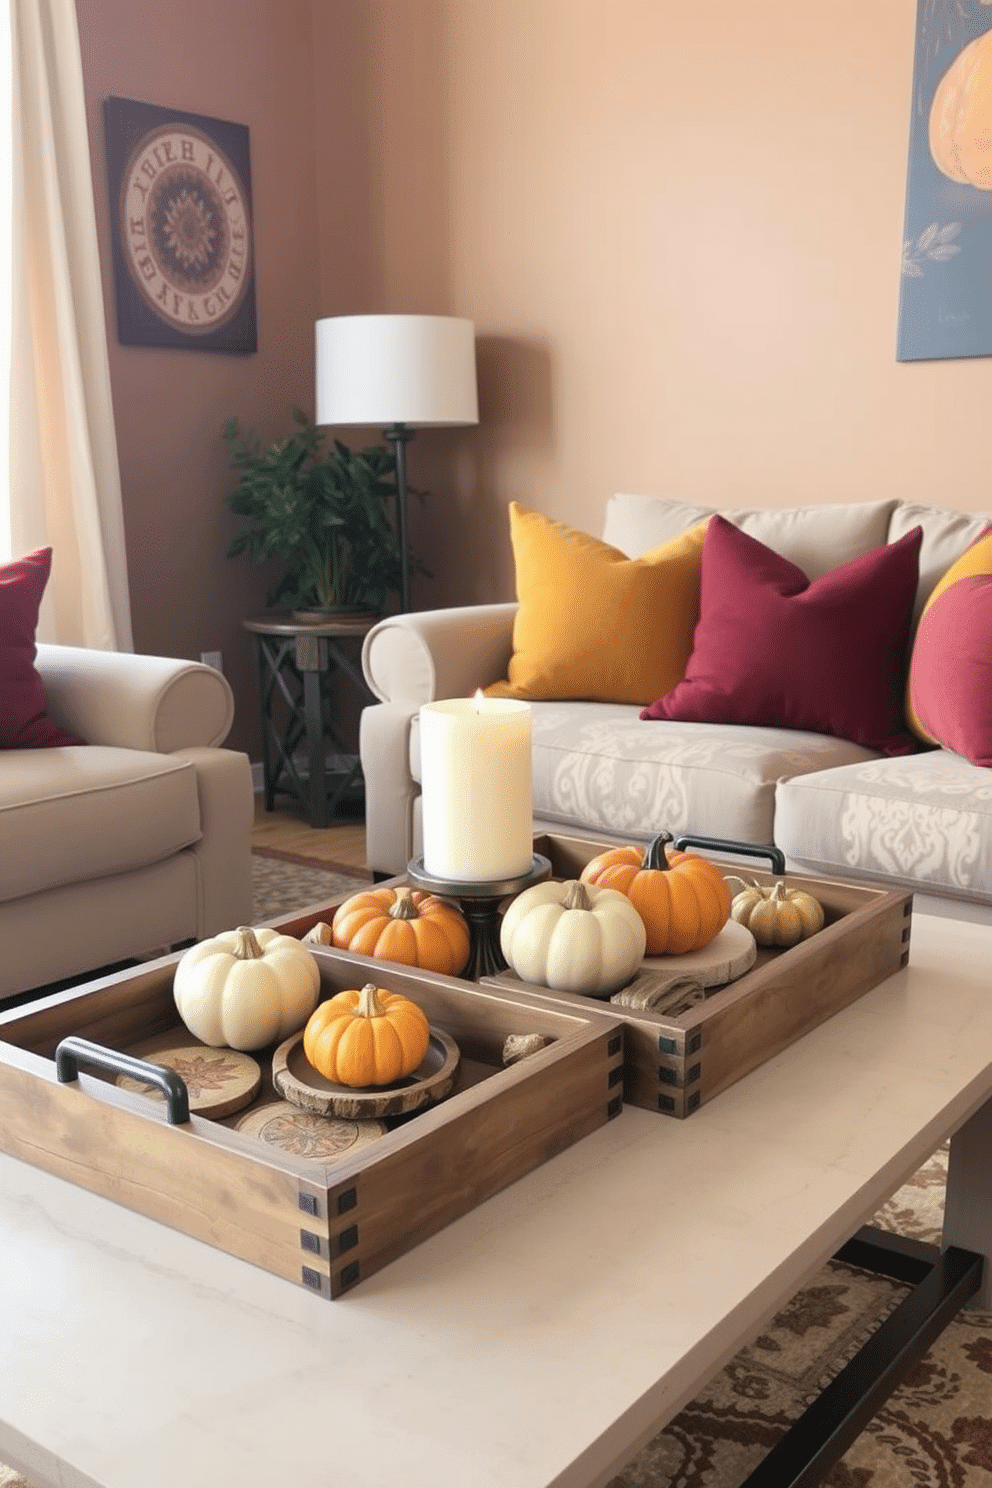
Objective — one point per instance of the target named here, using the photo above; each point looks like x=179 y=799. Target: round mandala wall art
x=181 y=213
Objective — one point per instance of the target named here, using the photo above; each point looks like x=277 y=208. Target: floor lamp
x=402 y=372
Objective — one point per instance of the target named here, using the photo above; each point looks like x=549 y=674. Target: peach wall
x=677 y=226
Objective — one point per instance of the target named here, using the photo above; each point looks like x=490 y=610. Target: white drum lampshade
x=404 y=371
x=396 y=369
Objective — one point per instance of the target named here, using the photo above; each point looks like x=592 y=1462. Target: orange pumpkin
x=406 y=925
x=368 y=1037
x=961 y=116
x=682 y=898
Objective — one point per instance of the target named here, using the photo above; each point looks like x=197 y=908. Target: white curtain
x=65 y=486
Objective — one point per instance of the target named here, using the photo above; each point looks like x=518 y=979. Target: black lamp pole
x=399 y=436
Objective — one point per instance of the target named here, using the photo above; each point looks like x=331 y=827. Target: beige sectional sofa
x=134 y=842
x=922 y=820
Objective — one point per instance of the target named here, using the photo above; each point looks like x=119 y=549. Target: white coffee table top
x=536 y=1341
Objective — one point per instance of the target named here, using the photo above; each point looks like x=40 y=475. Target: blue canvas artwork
x=945 y=301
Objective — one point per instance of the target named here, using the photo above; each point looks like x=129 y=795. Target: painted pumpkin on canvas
x=961 y=117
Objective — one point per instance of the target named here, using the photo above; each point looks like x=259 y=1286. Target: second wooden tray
x=673 y=1064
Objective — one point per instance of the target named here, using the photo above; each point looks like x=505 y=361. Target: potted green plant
x=328 y=515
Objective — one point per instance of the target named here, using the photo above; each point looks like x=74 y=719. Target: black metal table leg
x=312 y=663
x=944 y=1280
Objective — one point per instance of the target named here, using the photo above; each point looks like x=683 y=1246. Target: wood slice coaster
x=305 y=1133
x=728 y=956
x=295 y=1078
x=219 y=1081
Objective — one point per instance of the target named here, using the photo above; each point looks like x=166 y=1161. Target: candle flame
x=478 y=698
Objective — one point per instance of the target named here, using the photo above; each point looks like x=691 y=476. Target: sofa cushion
x=814 y=538
x=592 y=623
x=949 y=696
x=75 y=813
x=773 y=648
x=635 y=524
x=99 y=921
x=24 y=720
x=923 y=821
x=946 y=535
x=818 y=539
x=595 y=765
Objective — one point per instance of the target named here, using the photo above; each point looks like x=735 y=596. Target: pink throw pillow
x=773 y=649
x=951 y=670
x=24 y=721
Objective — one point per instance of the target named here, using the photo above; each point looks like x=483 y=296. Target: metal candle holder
x=480 y=902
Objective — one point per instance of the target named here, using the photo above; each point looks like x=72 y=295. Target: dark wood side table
x=297 y=663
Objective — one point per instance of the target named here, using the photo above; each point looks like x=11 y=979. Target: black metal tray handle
x=74 y=1051
x=775 y=855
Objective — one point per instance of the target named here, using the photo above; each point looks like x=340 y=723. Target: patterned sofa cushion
x=597 y=766
x=923 y=821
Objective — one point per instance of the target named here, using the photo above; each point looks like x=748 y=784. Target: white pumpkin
x=574 y=937
x=246 y=988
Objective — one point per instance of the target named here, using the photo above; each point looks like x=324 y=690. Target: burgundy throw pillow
x=773 y=649
x=24 y=722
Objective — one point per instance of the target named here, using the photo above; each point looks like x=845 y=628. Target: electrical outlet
x=212 y=659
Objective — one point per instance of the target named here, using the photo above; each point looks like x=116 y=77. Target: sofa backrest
x=815 y=538
x=946 y=535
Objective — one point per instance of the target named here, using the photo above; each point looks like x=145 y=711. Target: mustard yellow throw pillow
x=594 y=624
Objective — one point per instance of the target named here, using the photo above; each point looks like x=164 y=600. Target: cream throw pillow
x=594 y=624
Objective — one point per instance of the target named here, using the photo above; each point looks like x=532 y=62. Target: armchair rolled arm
x=429 y=654
x=158 y=703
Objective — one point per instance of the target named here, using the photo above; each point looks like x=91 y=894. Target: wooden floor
x=286 y=829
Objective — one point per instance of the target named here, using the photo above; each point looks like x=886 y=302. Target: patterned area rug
x=934 y=1432
x=282 y=883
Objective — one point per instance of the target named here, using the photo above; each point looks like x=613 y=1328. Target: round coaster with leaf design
x=307 y=1134
x=219 y=1081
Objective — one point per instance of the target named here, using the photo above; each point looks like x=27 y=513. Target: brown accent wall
x=253 y=64
x=676 y=223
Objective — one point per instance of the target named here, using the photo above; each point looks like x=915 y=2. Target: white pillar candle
x=475 y=781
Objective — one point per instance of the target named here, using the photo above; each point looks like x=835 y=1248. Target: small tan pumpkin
x=682 y=898
x=777 y=916
x=366 y=1037
x=405 y=925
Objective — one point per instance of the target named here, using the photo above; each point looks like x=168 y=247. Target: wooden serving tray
x=674 y=1064
x=325 y=1225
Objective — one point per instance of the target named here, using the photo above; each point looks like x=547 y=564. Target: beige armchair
x=138 y=840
